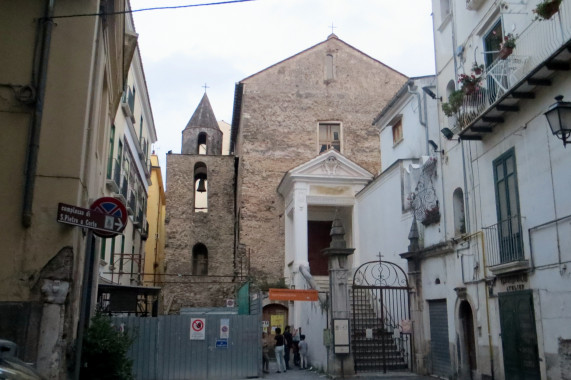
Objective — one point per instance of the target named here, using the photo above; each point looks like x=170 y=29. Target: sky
x=185 y=49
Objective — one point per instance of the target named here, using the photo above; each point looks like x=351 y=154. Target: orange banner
x=293 y=295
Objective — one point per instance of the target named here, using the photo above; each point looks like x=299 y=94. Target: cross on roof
x=332 y=27
x=379 y=256
x=205 y=87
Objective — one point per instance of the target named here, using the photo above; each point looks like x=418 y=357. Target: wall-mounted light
x=447 y=133
x=559 y=119
x=435 y=147
x=429 y=92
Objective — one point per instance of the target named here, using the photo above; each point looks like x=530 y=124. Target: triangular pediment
x=329 y=167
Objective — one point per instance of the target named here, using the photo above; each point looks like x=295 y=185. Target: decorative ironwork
x=380 y=274
x=381 y=334
x=424 y=201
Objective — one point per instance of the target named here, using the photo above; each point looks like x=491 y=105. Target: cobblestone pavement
x=296 y=373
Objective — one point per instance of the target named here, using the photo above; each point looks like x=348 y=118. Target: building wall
x=127 y=177
x=186 y=228
x=82 y=91
x=282 y=107
x=156 y=212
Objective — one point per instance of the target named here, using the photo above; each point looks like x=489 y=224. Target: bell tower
x=202 y=135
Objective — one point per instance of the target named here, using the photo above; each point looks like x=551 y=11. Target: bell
x=201 y=186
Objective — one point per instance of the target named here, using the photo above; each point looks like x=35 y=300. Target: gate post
x=340 y=356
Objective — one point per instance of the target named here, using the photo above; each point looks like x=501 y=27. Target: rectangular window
x=507 y=204
x=329 y=137
x=111 y=148
x=121 y=254
x=397 y=132
x=102 y=253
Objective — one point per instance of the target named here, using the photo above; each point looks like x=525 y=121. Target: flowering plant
x=546 y=8
x=477 y=69
x=470 y=83
x=509 y=41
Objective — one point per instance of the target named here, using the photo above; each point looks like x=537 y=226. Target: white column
x=300 y=225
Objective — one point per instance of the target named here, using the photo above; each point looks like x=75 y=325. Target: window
x=329 y=137
x=111 y=148
x=507 y=204
x=141 y=131
x=200 y=187
x=102 y=253
x=202 y=137
x=492 y=41
x=459 y=215
x=397 y=132
x=199 y=260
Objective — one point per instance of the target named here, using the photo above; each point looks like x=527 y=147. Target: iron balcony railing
x=536 y=43
x=504 y=242
x=132 y=203
x=124 y=187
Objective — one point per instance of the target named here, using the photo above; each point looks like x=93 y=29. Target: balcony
x=114 y=176
x=504 y=246
x=128 y=103
x=541 y=51
x=132 y=204
x=122 y=195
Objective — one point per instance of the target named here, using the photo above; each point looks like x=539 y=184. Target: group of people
x=284 y=344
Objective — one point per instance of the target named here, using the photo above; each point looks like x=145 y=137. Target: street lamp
x=559 y=119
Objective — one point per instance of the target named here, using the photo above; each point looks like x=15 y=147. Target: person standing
x=296 y=334
x=288 y=343
x=279 y=349
x=303 y=347
x=265 y=356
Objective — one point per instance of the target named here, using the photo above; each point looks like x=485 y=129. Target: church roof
x=203 y=117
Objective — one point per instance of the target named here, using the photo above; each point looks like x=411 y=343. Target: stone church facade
x=325 y=97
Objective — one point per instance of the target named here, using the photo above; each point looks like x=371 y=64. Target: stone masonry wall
x=282 y=107
x=185 y=228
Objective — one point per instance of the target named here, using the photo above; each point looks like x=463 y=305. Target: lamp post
x=559 y=119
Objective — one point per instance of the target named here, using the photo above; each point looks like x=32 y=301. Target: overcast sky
x=218 y=45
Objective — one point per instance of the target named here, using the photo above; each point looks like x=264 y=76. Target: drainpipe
x=36 y=124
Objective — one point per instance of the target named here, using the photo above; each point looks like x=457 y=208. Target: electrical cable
x=151 y=9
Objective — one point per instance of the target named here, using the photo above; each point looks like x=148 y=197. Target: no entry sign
x=197 y=328
x=113 y=207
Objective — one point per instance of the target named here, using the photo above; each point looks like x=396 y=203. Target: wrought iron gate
x=381 y=328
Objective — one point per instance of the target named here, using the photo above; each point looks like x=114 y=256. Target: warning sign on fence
x=197 y=328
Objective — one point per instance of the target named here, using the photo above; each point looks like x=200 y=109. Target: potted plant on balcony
x=455 y=100
x=470 y=84
x=507 y=47
x=477 y=69
x=545 y=9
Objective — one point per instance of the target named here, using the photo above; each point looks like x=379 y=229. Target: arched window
x=199 y=260
x=200 y=188
x=459 y=217
x=202 y=137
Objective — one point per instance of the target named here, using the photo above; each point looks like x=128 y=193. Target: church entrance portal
x=317 y=239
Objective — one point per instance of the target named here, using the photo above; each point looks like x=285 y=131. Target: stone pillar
x=340 y=364
x=50 y=347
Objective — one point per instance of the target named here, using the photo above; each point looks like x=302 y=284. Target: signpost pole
x=85 y=303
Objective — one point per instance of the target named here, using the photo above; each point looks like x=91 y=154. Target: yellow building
x=155 y=245
x=61 y=81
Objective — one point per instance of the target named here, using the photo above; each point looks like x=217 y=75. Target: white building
x=128 y=179
x=494 y=297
